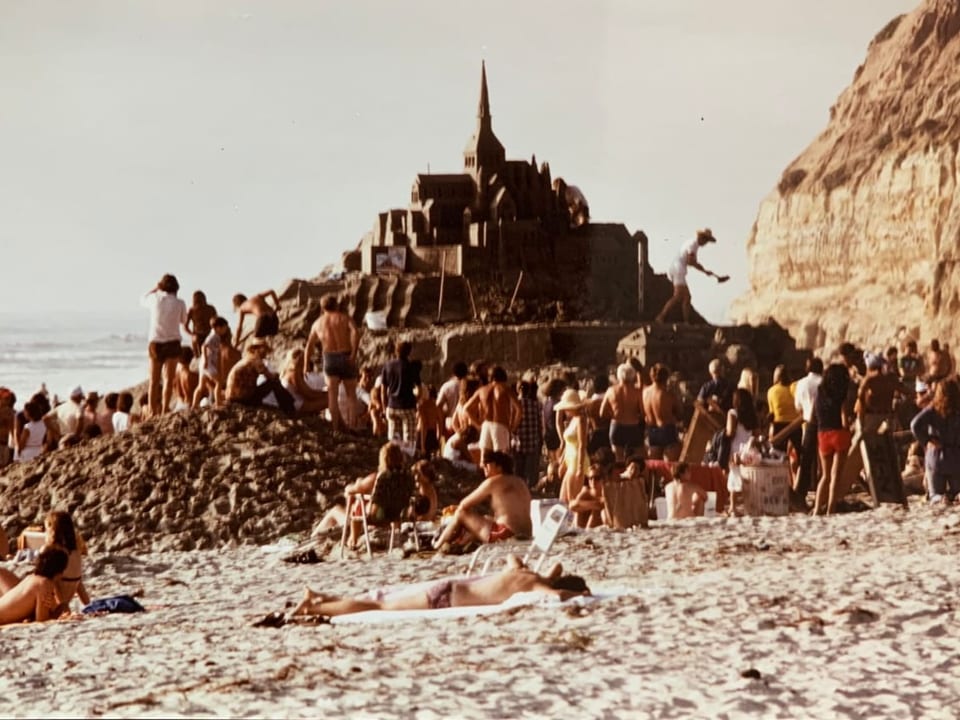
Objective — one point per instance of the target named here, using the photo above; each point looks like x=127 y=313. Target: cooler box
x=766 y=489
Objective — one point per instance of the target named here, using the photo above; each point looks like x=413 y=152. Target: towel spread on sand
x=517 y=600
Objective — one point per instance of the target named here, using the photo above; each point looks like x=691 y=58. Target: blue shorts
x=663 y=437
x=339 y=365
x=626 y=436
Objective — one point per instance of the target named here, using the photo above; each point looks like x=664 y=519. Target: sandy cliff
x=861 y=237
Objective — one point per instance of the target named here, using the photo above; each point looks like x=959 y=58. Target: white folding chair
x=543 y=539
x=364 y=503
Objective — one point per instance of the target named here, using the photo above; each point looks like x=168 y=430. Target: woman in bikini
x=33 y=597
x=62 y=533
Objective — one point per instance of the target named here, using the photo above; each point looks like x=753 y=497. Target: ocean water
x=96 y=350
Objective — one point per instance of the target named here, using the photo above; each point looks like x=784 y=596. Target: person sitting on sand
x=35 y=596
x=588 y=505
x=267 y=321
x=306 y=399
x=61 y=533
x=242 y=386
x=30 y=442
x=427 y=502
x=121 y=418
x=685 y=499
x=455 y=592
x=391 y=470
x=509 y=499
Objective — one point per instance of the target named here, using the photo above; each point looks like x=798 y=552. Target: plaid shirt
x=530 y=433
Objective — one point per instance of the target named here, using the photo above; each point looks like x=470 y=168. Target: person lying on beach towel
x=35 y=596
x=454 y=592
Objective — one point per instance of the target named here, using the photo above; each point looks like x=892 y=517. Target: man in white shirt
x=167 y=314
x=805 y=396
x=69 y=415
x=678 y=274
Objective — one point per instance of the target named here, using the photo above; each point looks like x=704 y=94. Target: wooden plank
x=703 y=426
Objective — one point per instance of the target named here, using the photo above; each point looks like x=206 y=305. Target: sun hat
x=570 y=400
x=706 y=234
x=77 y=392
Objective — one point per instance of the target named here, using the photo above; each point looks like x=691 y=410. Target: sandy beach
x=793 y=617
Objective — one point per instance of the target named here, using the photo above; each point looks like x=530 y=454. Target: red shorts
x=833 y=441
x=499 y=532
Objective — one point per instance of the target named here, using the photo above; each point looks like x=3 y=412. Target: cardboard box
x=766 y=489
x=31 y=540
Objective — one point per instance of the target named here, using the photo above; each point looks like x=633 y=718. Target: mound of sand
x=205 y=479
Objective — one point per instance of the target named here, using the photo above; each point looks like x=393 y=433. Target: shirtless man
x=685 y=499
x=267 y=322
x=662 y=409
x=454 y=592
x=495 y=411
x=509 y=499
x=876 y=395
x=34 y=597
x=200 y=318
x=338 y=337
x=939 y=365
x=623 y=403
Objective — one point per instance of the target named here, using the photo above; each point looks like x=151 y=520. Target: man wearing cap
x=678 y=274
x=242 y=387
x=68 y=416
x=509 y=500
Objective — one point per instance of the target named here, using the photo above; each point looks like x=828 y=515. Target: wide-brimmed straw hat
x=570 y=400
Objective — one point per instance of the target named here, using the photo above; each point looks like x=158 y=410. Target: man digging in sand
x=454 y=592
x=678 y=274
x=509 y=499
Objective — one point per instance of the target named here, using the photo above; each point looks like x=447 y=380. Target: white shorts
x=494 y=436
x=677 y=274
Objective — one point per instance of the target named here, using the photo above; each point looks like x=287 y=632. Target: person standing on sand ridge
x=678 y=275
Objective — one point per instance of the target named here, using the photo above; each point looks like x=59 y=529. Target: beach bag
x=116 y=604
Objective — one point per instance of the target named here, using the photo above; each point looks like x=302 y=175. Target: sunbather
x=33 y=597
x=62 y=533
x=455 y=592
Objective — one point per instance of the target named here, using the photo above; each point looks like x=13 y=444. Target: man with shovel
x=678 y=274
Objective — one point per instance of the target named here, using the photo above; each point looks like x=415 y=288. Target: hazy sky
x=239 y=144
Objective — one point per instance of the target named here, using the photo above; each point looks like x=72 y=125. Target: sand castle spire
x=484 y=149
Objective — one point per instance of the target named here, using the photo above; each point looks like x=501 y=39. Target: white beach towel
x=520 y=599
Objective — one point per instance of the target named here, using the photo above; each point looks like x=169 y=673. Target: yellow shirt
x=781 y=404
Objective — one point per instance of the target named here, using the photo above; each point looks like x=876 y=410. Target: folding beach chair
x=543 y=538
x=395 y=493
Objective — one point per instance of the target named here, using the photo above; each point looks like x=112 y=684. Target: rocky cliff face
x=860 y=240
